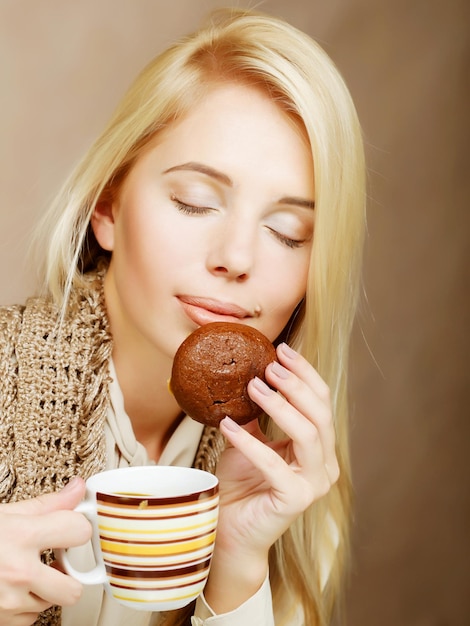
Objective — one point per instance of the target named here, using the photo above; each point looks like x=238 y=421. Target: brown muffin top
x=212 y=368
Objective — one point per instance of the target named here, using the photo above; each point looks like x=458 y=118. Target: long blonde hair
x=248 y=47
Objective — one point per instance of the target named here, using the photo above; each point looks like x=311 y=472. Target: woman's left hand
x=265 y=486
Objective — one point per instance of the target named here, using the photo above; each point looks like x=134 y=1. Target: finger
x=254 y=429
x=310 y=451
x=67 y=498
x=25 y=619
x=61 y=529
x=46 y=521
x=19 y=606
x=306 y=402
x=302 y=386
x=290 y=489
x=54 y=587
x=20 y=619
x=22 y=602
x=256 y=451
x=298 y=381
x=299 y=366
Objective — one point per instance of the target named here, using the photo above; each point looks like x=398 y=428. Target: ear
x=102 y=222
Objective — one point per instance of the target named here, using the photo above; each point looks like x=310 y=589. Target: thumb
x=67 y=498
x=254 y=429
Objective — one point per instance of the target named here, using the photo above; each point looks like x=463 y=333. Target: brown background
x=64 y=64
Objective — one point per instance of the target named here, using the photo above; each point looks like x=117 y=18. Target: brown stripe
x=156 y=574
x=157 y=517
x=169 y=563
x=133 y=501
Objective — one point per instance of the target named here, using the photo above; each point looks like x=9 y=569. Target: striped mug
x=153 y=534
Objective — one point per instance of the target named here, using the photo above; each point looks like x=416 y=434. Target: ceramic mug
x=153 y=534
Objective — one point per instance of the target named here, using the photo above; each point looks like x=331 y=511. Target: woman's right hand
x=28 y=586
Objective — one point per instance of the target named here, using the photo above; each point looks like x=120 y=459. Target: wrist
x=234 y=578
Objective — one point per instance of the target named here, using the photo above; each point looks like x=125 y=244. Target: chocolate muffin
x=212 y=368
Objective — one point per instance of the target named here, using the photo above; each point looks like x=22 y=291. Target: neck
x=151 y=407
x=143 y=375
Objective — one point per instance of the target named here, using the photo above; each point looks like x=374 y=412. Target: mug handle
x=95 y=576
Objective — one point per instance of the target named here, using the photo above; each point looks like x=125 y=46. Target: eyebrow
x=194 y=166
x=307 y=204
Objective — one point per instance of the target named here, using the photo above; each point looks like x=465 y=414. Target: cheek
x=140 y=236
x=288 y=275
x=153 y=247
x=285 y=285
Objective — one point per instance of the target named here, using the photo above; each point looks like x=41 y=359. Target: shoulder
x=16 y=321
x=11 y=319
x=13 y=313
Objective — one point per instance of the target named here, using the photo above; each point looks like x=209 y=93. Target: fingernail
x=278 y=370
x=73 y=482
x=288 y=352
x=261 y=386
x=230 y=424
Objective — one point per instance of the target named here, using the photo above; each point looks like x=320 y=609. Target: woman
x=228 y=185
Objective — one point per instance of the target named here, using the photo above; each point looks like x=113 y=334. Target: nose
x=232 y=252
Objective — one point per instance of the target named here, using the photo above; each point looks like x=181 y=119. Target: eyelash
x=189 y=209
x=290 y=243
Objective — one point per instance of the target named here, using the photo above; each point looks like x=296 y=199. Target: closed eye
x=189 y=209
x=288 y=241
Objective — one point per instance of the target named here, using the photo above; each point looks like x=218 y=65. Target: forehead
x=233 y=124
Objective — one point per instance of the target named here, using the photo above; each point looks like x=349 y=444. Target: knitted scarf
x=54 y=398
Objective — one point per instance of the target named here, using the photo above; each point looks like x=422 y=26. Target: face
x=213 y=222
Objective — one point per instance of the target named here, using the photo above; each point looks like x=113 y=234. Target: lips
x=204 y=310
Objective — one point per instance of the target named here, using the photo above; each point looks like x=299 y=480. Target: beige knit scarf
x=54 y=397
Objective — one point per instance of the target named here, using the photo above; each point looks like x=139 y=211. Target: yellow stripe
x=151 y=550
x=165 y=599
x=156 y=532
x=172 y=560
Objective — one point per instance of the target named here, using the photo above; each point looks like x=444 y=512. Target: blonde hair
x=248 y=47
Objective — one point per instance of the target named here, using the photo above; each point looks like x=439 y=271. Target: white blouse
x=95 y=607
